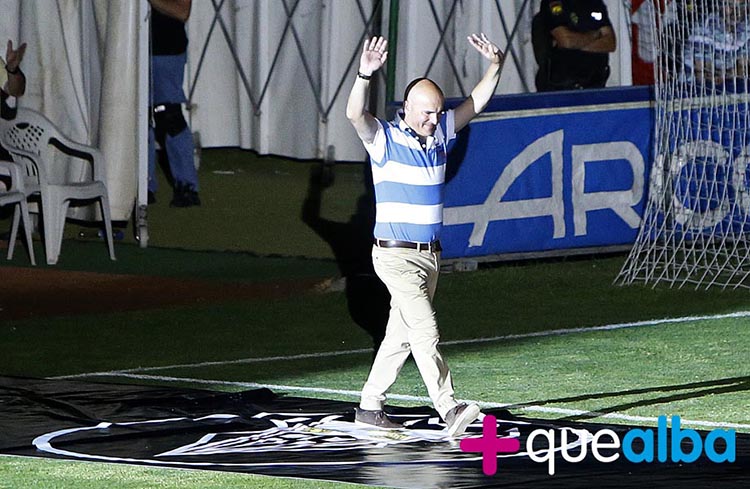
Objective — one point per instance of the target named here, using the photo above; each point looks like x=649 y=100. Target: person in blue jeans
x=168 y=55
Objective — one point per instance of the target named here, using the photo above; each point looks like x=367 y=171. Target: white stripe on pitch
x=327 y=354
x=241 y=361
x=395 y=172
x=409 y=213
x=422 y=399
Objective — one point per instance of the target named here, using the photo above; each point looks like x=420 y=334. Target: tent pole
x=144 y=65
x=391 y=63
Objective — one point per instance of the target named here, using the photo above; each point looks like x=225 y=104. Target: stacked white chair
x=32 y=141
x=15 y=194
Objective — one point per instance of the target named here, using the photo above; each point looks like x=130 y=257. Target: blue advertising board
x=704 y=161
x=544 y=172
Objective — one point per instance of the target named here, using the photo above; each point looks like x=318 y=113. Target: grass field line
x=426 y=400
x=328 y=354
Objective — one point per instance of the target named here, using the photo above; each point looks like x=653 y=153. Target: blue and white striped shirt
x=409 y=180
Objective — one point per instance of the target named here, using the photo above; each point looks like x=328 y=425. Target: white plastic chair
x=32 y=140
x=15 y=194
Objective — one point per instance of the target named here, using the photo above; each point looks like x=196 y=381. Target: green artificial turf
x=37 y=473
x=253 y=203
x=249 y=230
x=511 y=299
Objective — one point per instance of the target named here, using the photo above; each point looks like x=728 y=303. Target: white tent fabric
x=81 y=67
x=257 y=80
x=301 y=117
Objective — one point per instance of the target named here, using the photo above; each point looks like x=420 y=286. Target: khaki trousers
x=411 y=277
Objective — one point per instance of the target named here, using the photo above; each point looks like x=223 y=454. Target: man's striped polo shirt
x=409 y=180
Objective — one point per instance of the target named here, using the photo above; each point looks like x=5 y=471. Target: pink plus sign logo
x=490 y=445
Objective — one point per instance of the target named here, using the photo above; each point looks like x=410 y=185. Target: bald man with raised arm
x=408 y=157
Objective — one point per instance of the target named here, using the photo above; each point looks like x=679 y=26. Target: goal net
x=695 y=229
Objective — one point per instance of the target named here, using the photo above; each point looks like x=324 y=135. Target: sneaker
x=377 y=419
x=178 y=196
x=460 y=417
x=192 y=196
x=184 y=196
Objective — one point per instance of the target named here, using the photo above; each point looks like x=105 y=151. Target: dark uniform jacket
x=567 y=69
x=168 y=36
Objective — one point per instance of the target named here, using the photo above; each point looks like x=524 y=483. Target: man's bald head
x=423 y=82
x=423 y=106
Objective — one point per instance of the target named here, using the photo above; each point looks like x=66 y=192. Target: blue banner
x=705 y=165
x=550 y=172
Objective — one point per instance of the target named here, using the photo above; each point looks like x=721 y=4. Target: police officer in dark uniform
x=572 y=41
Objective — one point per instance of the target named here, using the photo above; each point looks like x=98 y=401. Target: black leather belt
x=395 y=243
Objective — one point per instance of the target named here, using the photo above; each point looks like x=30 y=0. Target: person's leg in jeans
x=168 y=77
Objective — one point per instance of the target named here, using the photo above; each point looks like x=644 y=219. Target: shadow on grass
x=368 y=300
x=704 y=388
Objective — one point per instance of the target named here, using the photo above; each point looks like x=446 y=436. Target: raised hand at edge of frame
x=13 y=57
x=486 y=48
x=374 y=54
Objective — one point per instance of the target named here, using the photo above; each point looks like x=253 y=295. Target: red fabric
x=643 y=69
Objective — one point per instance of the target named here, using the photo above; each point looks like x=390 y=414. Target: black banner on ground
x=263 y=433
